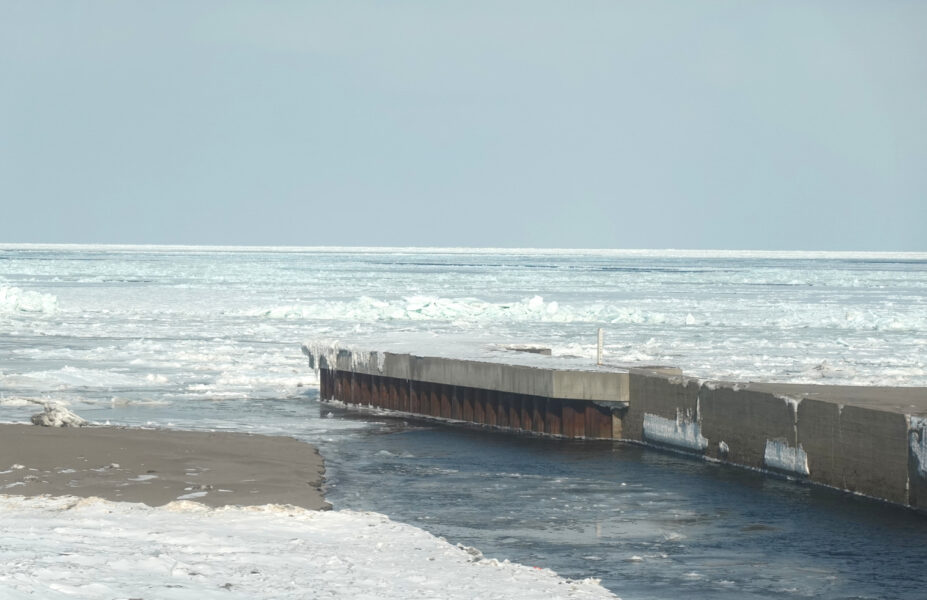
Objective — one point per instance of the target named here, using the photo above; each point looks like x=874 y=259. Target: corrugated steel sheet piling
x=572 y=404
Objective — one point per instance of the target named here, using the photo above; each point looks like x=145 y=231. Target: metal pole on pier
x=601 y=347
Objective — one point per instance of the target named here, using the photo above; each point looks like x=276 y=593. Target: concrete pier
x=545 y=401
x=867 y=440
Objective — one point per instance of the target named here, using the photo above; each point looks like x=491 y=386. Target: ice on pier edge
x=682 y=432
x=103 y=549
x=917 y=428
x=779 y=455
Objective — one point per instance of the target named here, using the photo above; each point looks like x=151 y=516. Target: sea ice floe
x=192 y=495
x=57 y=416
x=14 y=300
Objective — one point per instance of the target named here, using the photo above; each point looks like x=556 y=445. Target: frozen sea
x=209 y=338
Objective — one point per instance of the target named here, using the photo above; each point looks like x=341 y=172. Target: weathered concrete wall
x=871 y=452
x=819 y=435
x=744 y=421
x=855 y=448
x=590 y=385
x=651 y=393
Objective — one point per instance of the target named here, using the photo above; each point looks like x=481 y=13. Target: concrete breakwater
x=866 y=440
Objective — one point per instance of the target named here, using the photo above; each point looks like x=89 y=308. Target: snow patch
x=93 y=546
x=782 y=457
x=723 y=385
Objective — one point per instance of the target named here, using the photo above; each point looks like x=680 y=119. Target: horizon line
x=668 y=252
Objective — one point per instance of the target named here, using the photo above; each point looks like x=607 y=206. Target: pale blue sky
x=717 y=124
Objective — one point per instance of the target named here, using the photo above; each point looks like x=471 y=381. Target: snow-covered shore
x=57 y=547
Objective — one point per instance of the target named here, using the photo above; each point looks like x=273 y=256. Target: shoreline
x=158 y=466
x=105 y=511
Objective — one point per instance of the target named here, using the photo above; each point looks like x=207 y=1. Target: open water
x=210 y=338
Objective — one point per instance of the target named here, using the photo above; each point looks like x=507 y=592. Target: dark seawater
x=649 y=524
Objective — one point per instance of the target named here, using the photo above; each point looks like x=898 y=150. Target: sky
x=770 y=124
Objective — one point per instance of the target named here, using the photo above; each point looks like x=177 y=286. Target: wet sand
x=156 y=467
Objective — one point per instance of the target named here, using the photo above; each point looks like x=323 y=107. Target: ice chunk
x=723 y=449
x=57 y=416
x=16 y=301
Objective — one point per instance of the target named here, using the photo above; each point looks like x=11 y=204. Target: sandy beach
x=260 y=534
x=156 y=467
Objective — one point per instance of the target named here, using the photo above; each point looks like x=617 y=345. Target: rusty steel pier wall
x=866 y=440
x=574 y=404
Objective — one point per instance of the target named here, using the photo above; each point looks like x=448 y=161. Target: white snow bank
x=91 y=548
x=56 y=415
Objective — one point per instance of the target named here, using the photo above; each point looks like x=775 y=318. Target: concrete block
x=819 y=436
x=745 y=420
x=590 y=385
x=872 y=451
x=396 y=365
x=651 y=393
x=514 y=379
